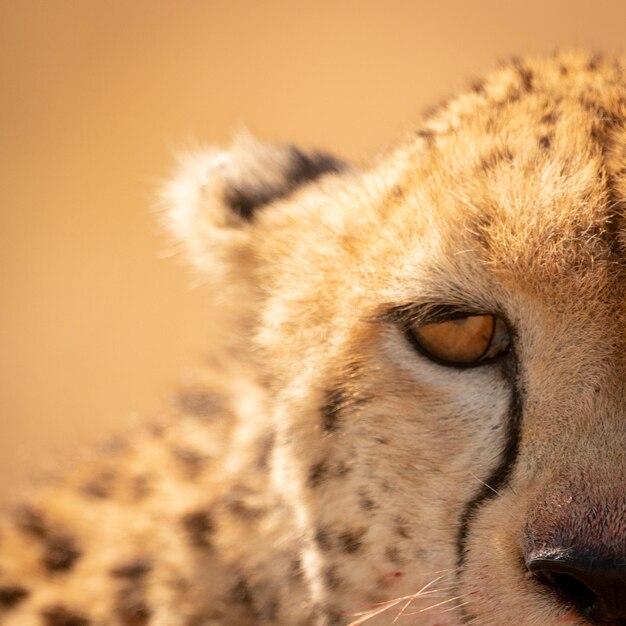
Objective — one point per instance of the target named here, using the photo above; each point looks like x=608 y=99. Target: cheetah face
x=442 y=341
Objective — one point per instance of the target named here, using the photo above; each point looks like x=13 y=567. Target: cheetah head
x=441 y=339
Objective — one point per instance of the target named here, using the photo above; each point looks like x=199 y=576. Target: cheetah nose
x=596 y=587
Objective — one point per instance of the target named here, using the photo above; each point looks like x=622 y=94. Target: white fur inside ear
x=195 y=213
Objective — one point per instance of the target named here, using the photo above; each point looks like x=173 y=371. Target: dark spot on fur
x=496 y=158
x=295 y=568
x=366 y=503
x=269 y=611
x=317 y=474
x=114 y=446
x=199 y=527
x=61 y=616
x=342 y=469
x=331 y=578
x=131 y=607
x=382 y=440
x=563 y=70
x=322 y=539
x=386 y=486
x=401 y=528
x=351 y=541
x=478 y=86
x=190 y=459
x=141 y=487
x=238 y=501
x=545 y=141
x=331 y=408
x=266 y=445
x=334 y=617
x=199 y=403
x=393 y=554
x=95 y=489
x=525 y=75
x=31 y=521
x=594 y=61
x=549 y=118
x=100 y=487
x=210 y=616
x=240 y=593
x=135 y=568
x=11 y=596
x=60 y=553
x=427 y=135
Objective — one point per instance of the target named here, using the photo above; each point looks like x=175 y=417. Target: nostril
x=596 y=587
x=569 y=589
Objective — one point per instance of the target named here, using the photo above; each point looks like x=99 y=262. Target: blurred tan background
x=95 y=97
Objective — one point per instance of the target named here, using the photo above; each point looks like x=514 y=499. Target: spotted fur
x=320 y=470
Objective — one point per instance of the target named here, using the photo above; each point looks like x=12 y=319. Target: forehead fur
x=528 y=171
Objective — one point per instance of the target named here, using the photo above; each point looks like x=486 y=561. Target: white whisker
x=482 y=482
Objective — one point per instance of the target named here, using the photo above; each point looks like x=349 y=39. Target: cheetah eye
x=464 y=340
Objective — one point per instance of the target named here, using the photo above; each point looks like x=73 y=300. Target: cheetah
x=413 y=406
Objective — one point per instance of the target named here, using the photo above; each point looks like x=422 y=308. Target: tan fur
x=320 y=464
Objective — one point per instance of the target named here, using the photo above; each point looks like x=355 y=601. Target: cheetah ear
x=211 y=204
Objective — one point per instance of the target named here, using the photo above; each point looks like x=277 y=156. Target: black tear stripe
x=500 y=476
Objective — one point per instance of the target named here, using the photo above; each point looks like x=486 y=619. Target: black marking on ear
x=246 y=198
x=61 y=616
x=61 y=553
x=501 y=474
x=331 y=408
x=199 y=527
x=12 y=595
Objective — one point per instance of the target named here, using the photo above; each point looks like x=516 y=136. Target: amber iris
x=467 y=340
